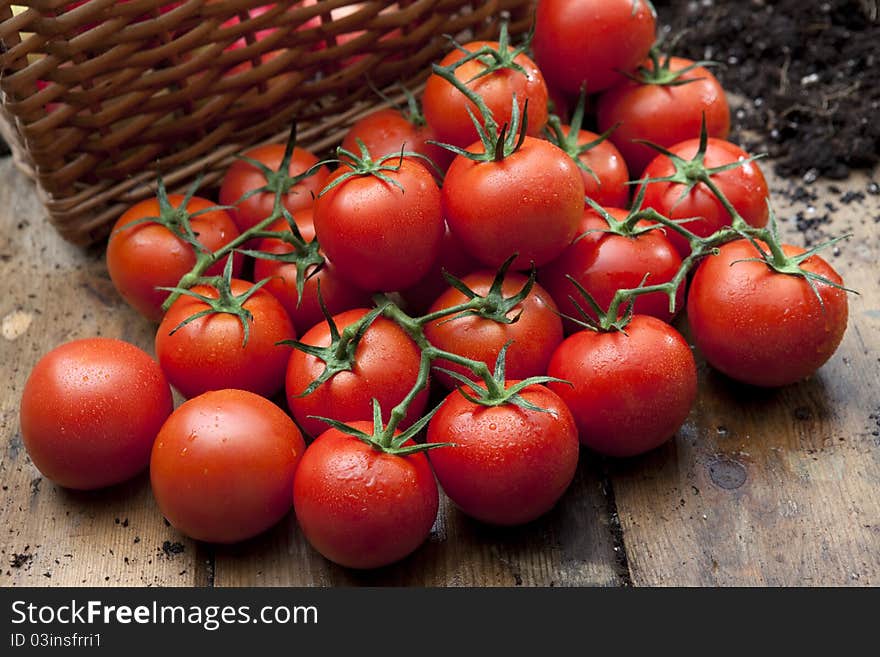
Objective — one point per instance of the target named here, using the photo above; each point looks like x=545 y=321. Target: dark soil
x=809 y=70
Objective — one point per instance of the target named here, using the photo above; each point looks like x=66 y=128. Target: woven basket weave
x=100 y=95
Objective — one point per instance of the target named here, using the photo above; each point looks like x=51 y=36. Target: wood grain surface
x=759 y=487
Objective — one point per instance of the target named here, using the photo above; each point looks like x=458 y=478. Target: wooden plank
x=54 y=292
x=571 y=546
x=775 y=487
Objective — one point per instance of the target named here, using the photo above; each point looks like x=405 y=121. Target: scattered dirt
x=170 y=549
x=810 y=72
x=19 y=559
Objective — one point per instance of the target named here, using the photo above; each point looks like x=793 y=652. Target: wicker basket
x=99 y=95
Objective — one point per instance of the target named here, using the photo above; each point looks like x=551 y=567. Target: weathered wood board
x=760 y=487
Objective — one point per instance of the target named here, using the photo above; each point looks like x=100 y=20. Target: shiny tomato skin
x=509 y=465
x=761 y=327
x=388 y=131
x=664 y=115
x=90 y=411
x=386 y=368
x=630 y=392
x=381 y=237
x=146 y=256
x=452 y=259
x=745 y=187
x=207 y=354
x=361 y=507
x=589 y=42
x=338 y=294
x=446 y=107
x=604 y=263
x=242 y=177
x=535 y=335
x=529 y=203
x=607 y=184
x=223 y=466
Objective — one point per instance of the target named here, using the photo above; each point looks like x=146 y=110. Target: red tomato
x=605 y=262
x=446 y=107
x=535 y=335
x=454 y=260
x=386 y=368
x=91 y=410
x=762 y=327
x=630 y=392
x=381 y=237
x=208 y=353
x=223 y=466
x=744 y=186
x=146 y=256
x=361 y=507
x=242 y=177
x=663 y=114
x=589 y=42
x=338 y=294
x=509 y=465
x=529 y=203
x=388 y=131
x=607 y=184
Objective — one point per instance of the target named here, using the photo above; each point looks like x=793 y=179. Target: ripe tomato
x=663 y=114
x=223 y=466
x=379 y=236
x=605 y=262
x=143 y=257
x=243 y=177
x=529 y=203
x=607 y=184
x=386 y=366
x=388 y=131
x=446 y=107
x=762 y=327
x=630 y=392
x=337 y=293
x=535 y=335
x=589 y=42
x=361 y=507
x=452 y=259
x=91 y=410
x=744 y=186
x=509 y=465
x=208 y=353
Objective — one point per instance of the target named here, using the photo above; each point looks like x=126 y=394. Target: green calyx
x=364 y=165
x=177 y=220
x=775 y=258
x=383 y=438
x=629 y=225
x=690 y=173
x=568 y=141
x=494 y=59
x=279 y=182
x=496 y=392
x=498 y=143
x=661 y=72
x=225 y=303
x=305 y=256
x=493 y=305
x=339 y=355
x=601 y=321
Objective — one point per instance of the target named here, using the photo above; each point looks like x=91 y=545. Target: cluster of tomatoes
x=462 y=266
